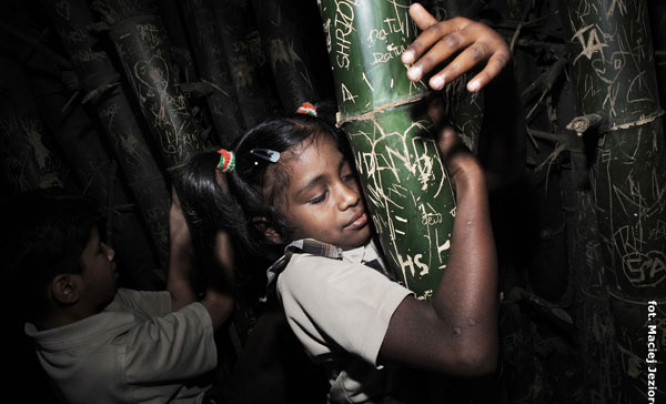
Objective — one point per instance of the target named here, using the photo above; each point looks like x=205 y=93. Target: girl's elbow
x=480 y=366
x=478 y=360
x=470 y=360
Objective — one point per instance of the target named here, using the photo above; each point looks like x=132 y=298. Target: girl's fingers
x=441 y=40
x=493 y=68
x=421 y=16
x=442 y=50
x=466 y=60
x=445 y=31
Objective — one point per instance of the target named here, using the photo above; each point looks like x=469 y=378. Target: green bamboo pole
x=406 y=185
x=103 y=92
x=282 y=35
x=208 y=52
x=614 y=69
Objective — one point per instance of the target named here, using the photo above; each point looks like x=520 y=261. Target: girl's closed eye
x=319 y=198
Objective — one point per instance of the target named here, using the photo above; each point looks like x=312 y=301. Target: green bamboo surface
x=406 y=186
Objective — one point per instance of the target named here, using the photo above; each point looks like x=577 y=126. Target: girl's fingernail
x=408 y=56
x=473 y=85
x=414 y=73
x=437 y=82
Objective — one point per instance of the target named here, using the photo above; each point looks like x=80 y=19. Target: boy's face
x=323 y=199
x=99 y=273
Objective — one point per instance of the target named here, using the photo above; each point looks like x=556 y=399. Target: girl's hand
x=475 y=41
x=462 y=166
x=460 y=163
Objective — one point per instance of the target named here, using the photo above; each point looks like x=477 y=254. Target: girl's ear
x=65 y=288
x=264 y=226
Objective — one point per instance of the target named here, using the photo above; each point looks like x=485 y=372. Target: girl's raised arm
x=457 y=333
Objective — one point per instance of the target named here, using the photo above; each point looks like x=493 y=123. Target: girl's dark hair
x=203 y=194
x=247 y=181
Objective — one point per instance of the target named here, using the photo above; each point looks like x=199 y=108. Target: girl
x=302 y=205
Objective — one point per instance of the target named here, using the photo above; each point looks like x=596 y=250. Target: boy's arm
x=218 y=299
x=440 y=40
x=182 y=271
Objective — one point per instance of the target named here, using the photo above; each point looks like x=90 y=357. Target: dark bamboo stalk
x=100 y=82
x=245 y=60
x=208 y=51
x=138 y=36
x=405 y=182
x=281 y=31
x=26 y=154
x=614 y=69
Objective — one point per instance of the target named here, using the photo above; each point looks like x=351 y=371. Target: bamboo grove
x=110 y=98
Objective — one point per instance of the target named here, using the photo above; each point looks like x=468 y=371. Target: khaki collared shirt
x=340 y=310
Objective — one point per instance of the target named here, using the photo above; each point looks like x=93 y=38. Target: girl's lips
x=359 y=222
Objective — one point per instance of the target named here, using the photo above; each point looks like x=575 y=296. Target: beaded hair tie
x=307 y=108
x=227 y=161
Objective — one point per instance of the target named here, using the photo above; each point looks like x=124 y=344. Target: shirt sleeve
x=175 y=346
x=145 y=303
x=329 y=302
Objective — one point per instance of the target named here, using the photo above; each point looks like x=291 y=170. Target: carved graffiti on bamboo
x=63 y=9
x=121 y=132
x=342 y=26
x=396 y=167
x=21 y=157
x=392 y=28
x=632 y=54
x=33 y=134
x=165 y=108
x=644 y=269
x=382 y=44
x=246 y=55
x=618 y=5
x=282 y=52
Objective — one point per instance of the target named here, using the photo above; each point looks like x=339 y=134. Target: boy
x=96 y=342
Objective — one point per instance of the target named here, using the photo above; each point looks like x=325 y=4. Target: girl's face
x=323 y=199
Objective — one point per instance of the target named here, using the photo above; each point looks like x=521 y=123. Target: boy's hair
x=43 y=235
x=247 y=181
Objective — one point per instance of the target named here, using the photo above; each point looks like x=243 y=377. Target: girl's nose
x=110 y=252
x=349 y=196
